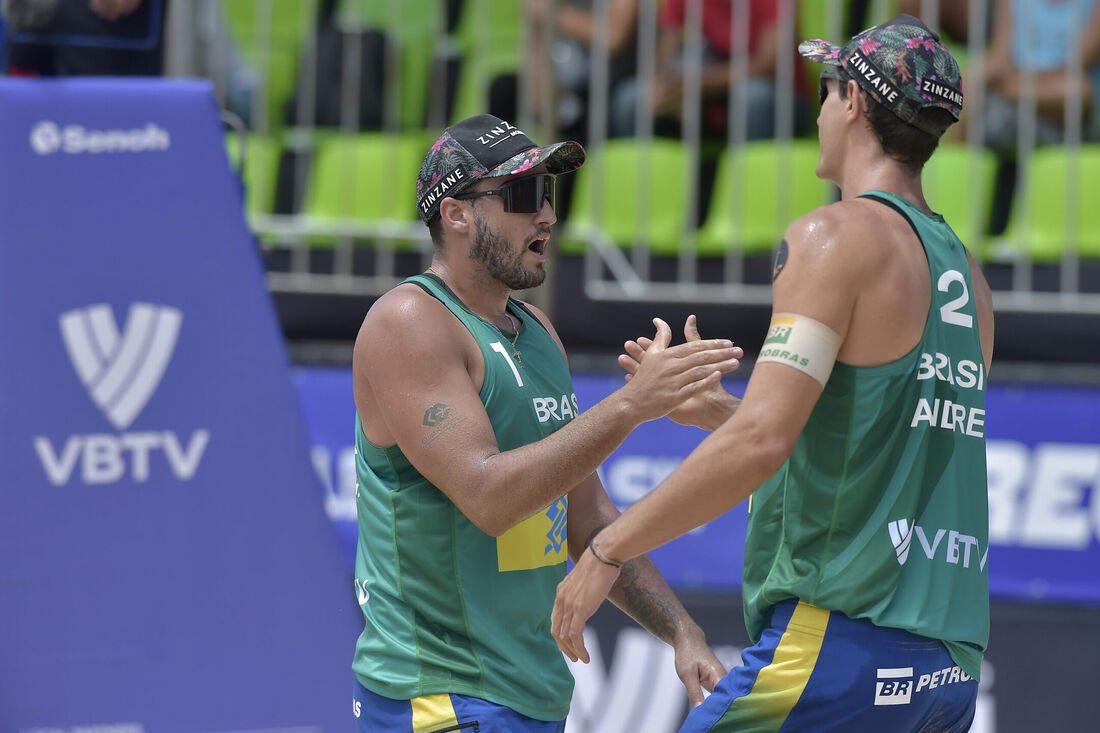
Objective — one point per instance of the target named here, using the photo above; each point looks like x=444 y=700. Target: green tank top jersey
x=881 y=511
x=448 y=608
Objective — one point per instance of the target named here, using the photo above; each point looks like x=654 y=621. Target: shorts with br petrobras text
x=440 y=714
x=822 y=671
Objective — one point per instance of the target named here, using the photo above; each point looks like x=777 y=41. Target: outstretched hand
x=665 y=377
x=707 y=406
x=579 y=595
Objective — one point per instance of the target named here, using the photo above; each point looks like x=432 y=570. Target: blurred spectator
x=1039 y=36
x=718 y=33
x=218 y=58
x=953 y=21
x=575 y=27
x=953 y=17
x=85 y=37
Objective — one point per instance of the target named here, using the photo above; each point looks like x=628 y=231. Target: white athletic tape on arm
x=803 y=343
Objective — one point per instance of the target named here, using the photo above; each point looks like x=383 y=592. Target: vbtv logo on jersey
x=121 y=371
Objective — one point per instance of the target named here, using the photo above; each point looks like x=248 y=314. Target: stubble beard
x=499 y=259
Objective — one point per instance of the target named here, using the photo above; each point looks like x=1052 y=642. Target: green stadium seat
x=752 y=204
x=414 y=26
x=368 y=178
x=1055 y=179
x=612 y=179
x=490 y=34
x=260 y=172
x=959 y=184
x=273 y=52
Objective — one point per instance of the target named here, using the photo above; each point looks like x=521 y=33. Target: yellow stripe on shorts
x=779 y=685
x=432 y=712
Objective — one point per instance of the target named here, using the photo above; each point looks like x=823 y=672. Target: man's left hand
x=697 y=666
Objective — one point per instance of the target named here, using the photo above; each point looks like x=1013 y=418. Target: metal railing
x=613 y=270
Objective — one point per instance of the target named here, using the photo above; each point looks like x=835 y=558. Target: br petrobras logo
x=901 y=535
x=894 y=686
x=121 y=371
x=48 y=137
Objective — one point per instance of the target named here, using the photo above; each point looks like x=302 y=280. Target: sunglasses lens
x=526 y=195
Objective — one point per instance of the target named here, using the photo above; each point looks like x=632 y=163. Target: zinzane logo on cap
x=445 y=184
x=943 y=92
x=862 y=66
x=500 y=133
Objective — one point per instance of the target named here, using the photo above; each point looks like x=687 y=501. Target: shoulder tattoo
x=780 y=259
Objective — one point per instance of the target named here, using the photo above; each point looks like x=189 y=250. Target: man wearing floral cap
x=476 y=469
x=860 y=441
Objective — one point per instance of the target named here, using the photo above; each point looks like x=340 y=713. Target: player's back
x=892 y=458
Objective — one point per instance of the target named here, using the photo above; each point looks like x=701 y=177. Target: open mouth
x=538 y=246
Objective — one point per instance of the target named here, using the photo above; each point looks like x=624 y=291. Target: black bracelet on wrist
x=594 y=545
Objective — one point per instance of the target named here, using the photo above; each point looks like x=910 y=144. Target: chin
x=532 y=278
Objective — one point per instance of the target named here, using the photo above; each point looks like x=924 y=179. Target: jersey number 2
x=949 y=312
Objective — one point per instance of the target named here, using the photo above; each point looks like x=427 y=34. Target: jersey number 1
x=499 y=348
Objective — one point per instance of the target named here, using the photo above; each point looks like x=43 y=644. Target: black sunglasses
x=822 y=87
x=521 y=195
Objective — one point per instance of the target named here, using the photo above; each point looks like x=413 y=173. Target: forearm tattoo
x=652 y=610
x=438 y=419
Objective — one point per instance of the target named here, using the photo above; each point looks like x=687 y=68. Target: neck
x=484 y=296
x=867 y=168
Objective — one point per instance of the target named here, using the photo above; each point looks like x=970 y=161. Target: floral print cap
x=901 y=63
x=484 y=146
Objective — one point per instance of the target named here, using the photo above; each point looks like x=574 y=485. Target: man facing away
x=861 y=436
x=476 y=467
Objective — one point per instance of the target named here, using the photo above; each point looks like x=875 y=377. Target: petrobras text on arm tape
x=803 y=343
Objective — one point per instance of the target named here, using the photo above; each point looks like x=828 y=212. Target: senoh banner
x=166 y=562
x=1043 y=449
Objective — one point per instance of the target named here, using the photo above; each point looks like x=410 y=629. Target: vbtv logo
x=121 y=371
x=959 y=547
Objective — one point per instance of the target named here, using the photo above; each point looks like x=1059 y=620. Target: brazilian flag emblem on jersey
x=536 y=542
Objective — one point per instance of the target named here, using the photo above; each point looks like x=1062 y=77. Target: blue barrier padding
x=1043 y=446
x=166 y=563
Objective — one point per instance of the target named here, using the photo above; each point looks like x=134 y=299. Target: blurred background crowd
x=699 y=118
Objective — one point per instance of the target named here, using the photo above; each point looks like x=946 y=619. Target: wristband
x=595 y=547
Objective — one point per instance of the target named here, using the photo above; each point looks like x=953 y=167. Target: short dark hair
x=902 y=141
x=435 y=229
x=435 y=225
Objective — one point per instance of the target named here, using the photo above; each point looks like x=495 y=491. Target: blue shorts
x=440 y=713
x=822 y=671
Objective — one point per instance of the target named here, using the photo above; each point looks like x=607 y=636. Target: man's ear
x=855 y=103
x=455 y=216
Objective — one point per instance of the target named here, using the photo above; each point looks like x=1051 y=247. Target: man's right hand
x=685 y=379
x=707 y=406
